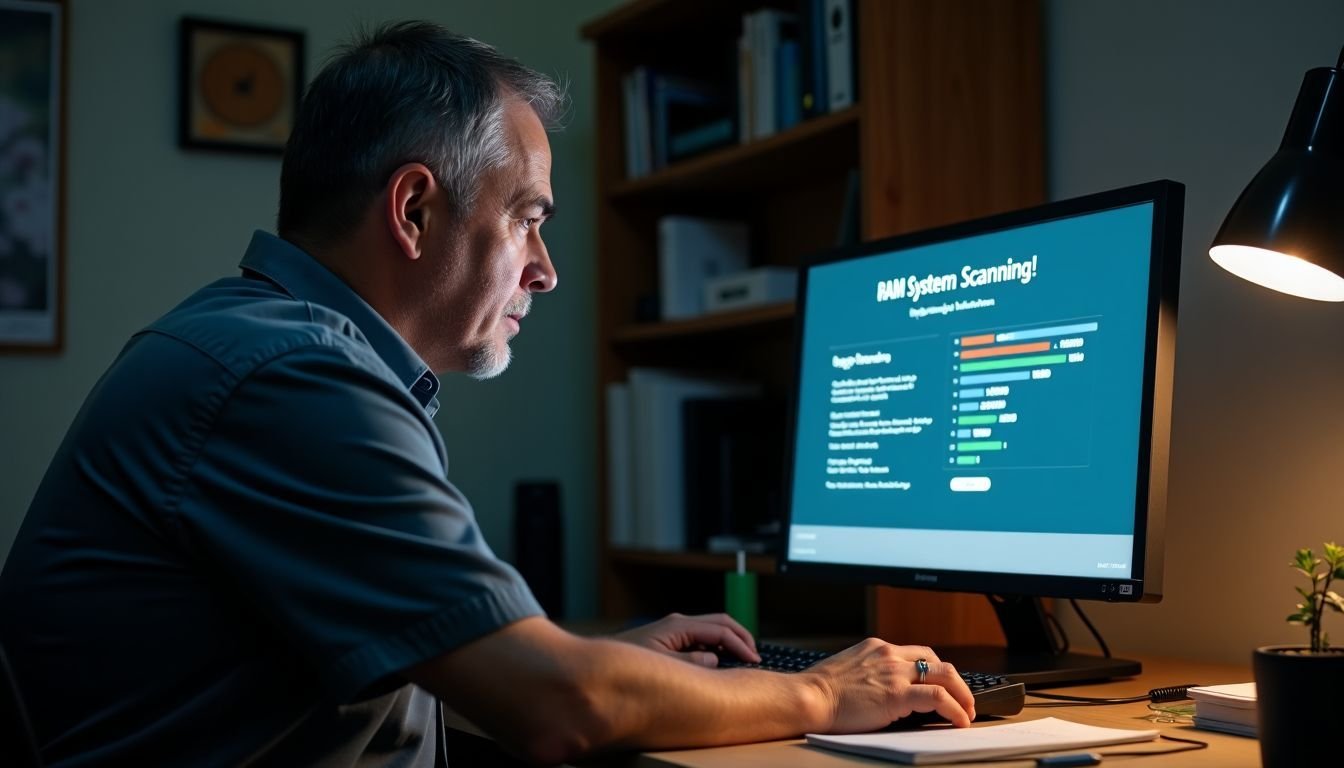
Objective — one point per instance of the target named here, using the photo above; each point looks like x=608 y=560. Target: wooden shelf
x=939 y=137
x=693 y=561
x=720 y=322
x=825 y=143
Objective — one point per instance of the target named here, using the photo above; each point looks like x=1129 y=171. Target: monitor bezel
x=1144 y=584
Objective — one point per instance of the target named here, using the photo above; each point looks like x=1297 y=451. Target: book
x=620 y=503
x=657 y=444
x=948 y=745
x=691 y=250
x=1228 y=708
x=763 y=33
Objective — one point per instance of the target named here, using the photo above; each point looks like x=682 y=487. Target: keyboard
x=995 y=695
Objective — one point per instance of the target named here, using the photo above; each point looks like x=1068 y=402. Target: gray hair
x=406 y=92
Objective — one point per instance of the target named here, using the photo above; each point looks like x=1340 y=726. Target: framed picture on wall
x=240 y=85
x=32 y=115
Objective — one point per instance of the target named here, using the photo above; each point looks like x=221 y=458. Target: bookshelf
x=947 y=126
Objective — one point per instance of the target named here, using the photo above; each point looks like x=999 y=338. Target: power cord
x=1094 y=758
x=1154 y=696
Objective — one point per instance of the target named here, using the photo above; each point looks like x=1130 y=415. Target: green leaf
x=1333 y=552
x=1333 y=600
x=1308 y=596
x=1339 y=572
x=1296 y=619
x=1308 y=574
x=1304 y=560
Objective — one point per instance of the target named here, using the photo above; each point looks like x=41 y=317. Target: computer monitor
x=985 y=407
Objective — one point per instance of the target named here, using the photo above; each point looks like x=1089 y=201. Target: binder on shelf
x=812 y=65
x=788 y=85
x=839 y=54
x=691 y=250
x=657 y=441
x=620 y=501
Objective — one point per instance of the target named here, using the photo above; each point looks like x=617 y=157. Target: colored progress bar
x=1041 y=333
x=968 y=459
x=981 y=445
x=973 y=341
x=996 y=378
x=1006 y=349
x=1016 y=362
x=977 y=419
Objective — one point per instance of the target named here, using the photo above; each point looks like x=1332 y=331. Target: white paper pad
x=945 y=745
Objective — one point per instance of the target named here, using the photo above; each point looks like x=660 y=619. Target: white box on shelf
x=691 y=250
x=753 y=287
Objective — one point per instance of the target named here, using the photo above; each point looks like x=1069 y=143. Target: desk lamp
x=1286 y=232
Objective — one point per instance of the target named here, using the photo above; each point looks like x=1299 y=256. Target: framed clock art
x=240 y=85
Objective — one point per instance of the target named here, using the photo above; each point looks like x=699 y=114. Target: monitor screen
x=984 y=407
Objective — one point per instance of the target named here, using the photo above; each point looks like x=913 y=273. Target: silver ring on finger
x=922 y=667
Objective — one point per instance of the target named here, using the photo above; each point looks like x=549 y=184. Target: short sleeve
x=320 y=496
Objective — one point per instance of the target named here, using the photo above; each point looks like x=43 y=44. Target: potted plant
x=1298 y=687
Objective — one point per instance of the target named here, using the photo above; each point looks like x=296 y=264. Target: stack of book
x=785 y=67
x=1227 y=708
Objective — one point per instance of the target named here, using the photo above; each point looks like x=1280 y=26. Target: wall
x=147 y=223
x=1201 y=92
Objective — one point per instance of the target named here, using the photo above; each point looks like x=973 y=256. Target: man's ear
x=410 y=191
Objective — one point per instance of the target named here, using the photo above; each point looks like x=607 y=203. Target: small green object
x=739 y=595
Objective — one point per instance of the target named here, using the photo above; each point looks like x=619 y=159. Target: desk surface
x=1225 y=750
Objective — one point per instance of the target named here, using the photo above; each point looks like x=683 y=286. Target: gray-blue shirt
x=246 y=534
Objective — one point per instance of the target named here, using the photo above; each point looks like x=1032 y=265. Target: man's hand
x=873 y=683
x=694 y=638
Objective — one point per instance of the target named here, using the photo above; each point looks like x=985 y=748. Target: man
x=247 y=551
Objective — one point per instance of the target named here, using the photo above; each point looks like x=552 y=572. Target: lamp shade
x=1286 y=230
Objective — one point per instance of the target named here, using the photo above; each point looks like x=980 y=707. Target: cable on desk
x=1193 y=745
x=1155 y=696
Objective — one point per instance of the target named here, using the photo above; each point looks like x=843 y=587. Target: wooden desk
x=1224 y=751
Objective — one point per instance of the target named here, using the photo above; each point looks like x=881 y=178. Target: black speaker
x=538 y=543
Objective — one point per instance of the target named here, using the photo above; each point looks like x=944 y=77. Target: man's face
x=496 y=259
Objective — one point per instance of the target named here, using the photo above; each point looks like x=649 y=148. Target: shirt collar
x=306 y=279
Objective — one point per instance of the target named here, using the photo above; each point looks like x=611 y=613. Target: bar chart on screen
x=1013 y=395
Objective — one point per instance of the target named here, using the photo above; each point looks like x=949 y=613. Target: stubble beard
x=491 y=359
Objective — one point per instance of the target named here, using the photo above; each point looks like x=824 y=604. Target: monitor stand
x=1033 y=655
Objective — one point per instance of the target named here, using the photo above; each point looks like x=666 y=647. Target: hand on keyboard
x=873 y=683
x=994 y=695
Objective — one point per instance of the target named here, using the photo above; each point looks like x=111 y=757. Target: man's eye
x=529 y=223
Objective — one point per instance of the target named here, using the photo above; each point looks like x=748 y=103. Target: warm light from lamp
x=1279 y=271
x=1286 y=230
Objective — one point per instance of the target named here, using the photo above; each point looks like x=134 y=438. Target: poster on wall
x=31 y=55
